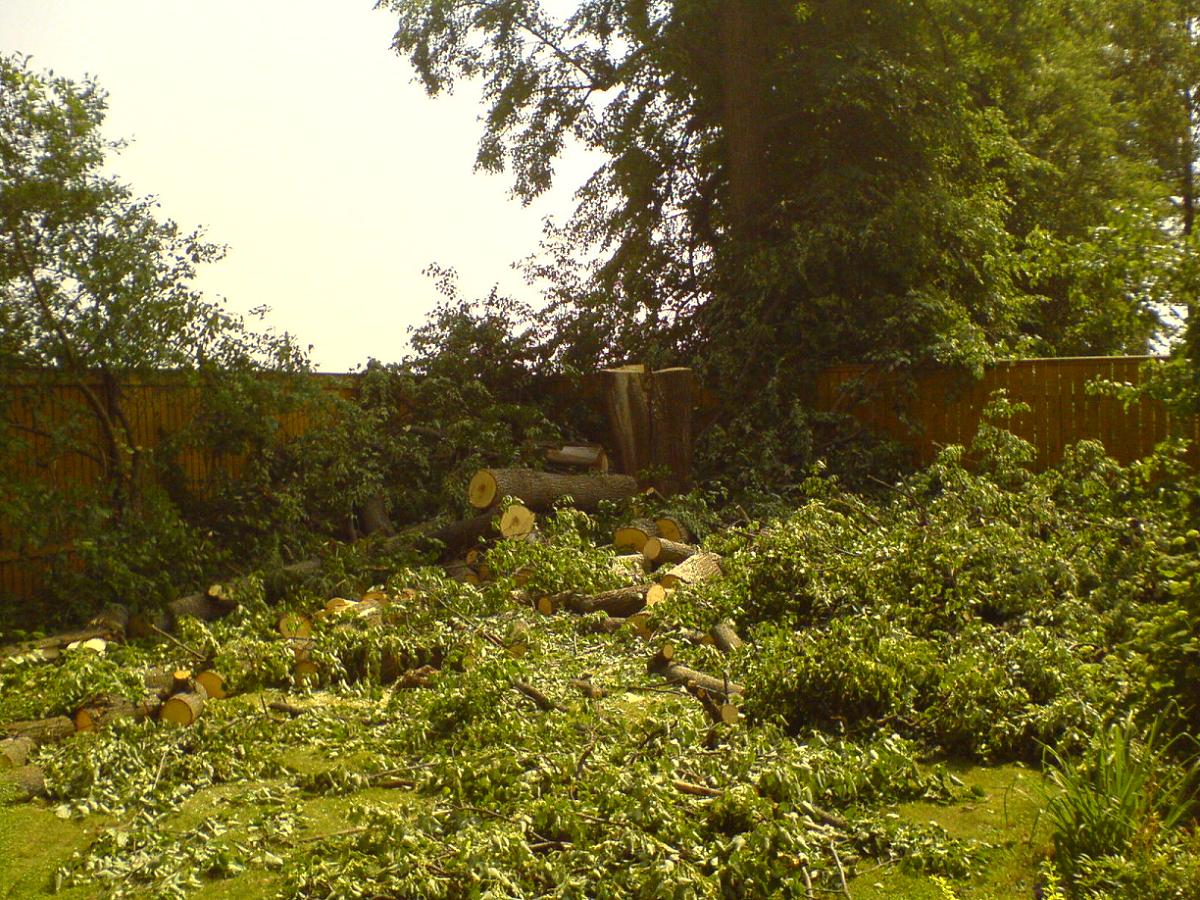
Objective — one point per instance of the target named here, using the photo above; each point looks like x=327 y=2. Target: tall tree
x=789 y=184
x=92 y=284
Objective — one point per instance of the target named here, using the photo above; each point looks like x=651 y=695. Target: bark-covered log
x=634 y=535
x=726 y=638
x=14 y=752
x=374 y=516
x=631 y=566
x=183 y=709
x=540 y=490
x=456 y=537
x=540 y=700
x=660 y=551
x=102 y=711
x=43 y=731
x=587 y=457
x=109 y=625
x=28 y=780
x=680 y=674
x=619 y=602
x=673 y=529
x=589 y=690
x=700 y=567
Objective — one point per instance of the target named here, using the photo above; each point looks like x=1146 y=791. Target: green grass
x=1007 y=816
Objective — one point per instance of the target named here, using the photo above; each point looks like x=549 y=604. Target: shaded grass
x=1005 y=813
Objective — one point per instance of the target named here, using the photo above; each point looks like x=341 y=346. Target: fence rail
x=937 y=407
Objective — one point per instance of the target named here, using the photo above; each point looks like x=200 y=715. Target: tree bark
x=679 y=674
x=671 y=400
x=627 y=404
x=699 y=567
x=620 y=602
x=42 y=731
x=726 y=638
x=660 y=551
x=540 y=490
x=14 y=752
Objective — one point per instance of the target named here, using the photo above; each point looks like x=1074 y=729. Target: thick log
x=660 y=551
x=726 y=638
x=673 y=529
x=28 y=780
x=213 y=684
x=619 y=602
x=294 y=626
x=14 y=752
x=671 y=399
x=680 y=674
x=540 y=490
x=627 y=404
x=183 y=709
x=374 y=516
x=107 y=625
x=631 y=567
x=586 y=456
x=102 y=711
x=455 y=537
x=42 y=731
x=719 y=712
x=518 y=521
x=634 y=535
x=700 y=567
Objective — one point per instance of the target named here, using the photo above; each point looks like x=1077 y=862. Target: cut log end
x=518 y=521
x=672 y=529
x=183 y=709
x=213 y=684
x=294 y=625
x=482 y=491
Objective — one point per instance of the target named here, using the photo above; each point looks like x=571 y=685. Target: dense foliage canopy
x=786 y=184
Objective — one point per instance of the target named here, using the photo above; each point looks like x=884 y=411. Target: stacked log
x=541 y=490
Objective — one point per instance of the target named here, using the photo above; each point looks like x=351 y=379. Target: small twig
x=180 y=644
x=158 y=774
x=543 y=702
x=808 y=889
x=841 y=872
x=696 y=790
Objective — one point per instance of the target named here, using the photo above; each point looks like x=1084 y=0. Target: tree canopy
x=785 y=185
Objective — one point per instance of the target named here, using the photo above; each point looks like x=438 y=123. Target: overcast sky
x=292 y=133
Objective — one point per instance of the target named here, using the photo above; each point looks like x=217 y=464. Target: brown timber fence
x=924 y=411
x=40 y=406
x=930 y=409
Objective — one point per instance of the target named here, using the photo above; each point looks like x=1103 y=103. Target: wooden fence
x=934 y=408
x=157 y=408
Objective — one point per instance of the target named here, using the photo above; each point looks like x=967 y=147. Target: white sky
x=292 y=133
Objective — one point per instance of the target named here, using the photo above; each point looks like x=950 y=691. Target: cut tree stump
x=672 y=395
x=699 y=567
x=540 y=490
x=660 y=551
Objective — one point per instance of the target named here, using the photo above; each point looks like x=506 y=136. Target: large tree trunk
x=540 y=490
x=671 y=400
x=627 y=404
x=744 y=68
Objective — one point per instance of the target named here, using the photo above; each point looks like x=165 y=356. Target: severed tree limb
x=542 y=702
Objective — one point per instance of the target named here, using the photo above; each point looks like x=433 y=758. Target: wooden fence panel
x=945 y=406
